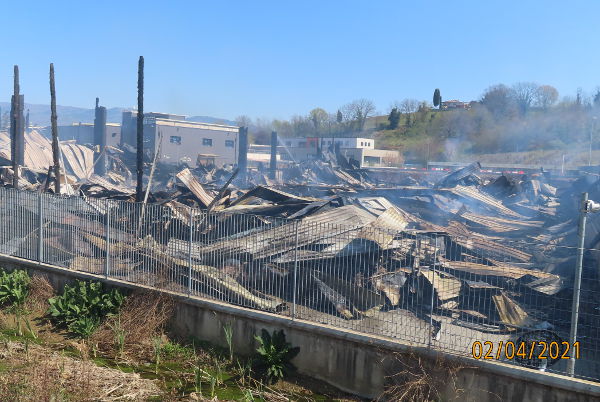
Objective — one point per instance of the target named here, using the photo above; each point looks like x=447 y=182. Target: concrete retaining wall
x=351 y=361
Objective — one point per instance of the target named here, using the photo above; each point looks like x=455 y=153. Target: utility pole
x=53 y=121
x=14 y=128
x=139 y=193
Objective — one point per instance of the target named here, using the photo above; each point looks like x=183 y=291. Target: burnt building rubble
x=489 y=254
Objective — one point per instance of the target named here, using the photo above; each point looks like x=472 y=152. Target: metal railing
x=472 y=296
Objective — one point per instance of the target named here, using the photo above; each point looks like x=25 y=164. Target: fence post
x=294 y=290
x=107 y=231
x=40 y=230
x=432 y=290
x=577 y=283
x=191 y=222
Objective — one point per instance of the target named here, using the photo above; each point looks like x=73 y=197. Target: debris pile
x=487 y=255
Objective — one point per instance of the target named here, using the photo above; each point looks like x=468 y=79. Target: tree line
x=505 y=118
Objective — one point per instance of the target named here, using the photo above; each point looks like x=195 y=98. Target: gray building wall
x=83 y=133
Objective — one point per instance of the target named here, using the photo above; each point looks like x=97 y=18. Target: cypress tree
x=437 y=98
x=394 y=119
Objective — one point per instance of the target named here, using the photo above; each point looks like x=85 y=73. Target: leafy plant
x=274 y=355
x=84 y=326
x=14 y=287
x=82 y=306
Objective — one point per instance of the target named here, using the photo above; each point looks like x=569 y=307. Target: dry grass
x=415 y=378
x=40 y=290
x=38 y=374
x=144 y=315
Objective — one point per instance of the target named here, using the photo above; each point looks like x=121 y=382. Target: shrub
x=82 y=307
x=274 y=355
x=14 y=287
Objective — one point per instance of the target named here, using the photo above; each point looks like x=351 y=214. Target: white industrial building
x=361 y=150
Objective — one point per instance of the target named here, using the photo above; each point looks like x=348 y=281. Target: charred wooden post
x=21 y=132
x=139 y=194
x=27 y=121
x=273 y=165
x=14 y=128
x=100 y=139
x=243 y=153
x=54 y=124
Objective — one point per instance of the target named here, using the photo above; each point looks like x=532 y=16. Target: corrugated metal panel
x=502 y=271
x=510 y=312
x=273 y=195
x=500 y=224
x=38 y=154
x=475 y=194
x=188 y=179
x=446 y=288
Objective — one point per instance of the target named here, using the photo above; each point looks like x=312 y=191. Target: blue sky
x=274 y=59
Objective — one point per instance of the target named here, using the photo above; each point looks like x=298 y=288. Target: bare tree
x=301 y=125
x=409 y=105
x=283 y=128
x=243 y=121
x=499 y=100
x=525 y=94
x=358 y=112
x=546 y=96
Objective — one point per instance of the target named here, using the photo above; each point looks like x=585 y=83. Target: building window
x=207 y=142
x=175 y=139
x=229 y=143
x=302 y=144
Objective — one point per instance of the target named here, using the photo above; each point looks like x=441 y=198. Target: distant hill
x=214 y=120
x=39 y=115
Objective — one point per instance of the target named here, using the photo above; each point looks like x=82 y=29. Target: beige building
x=183 y=141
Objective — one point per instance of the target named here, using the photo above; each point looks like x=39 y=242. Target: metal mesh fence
x=464 y=295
